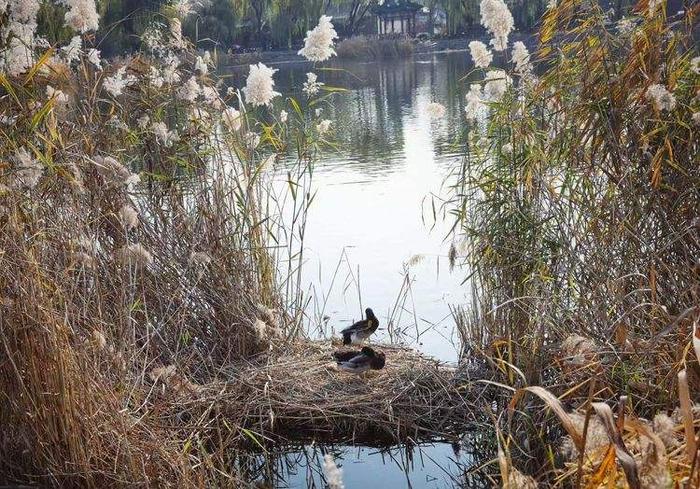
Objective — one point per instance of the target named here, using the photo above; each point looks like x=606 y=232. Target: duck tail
x=347 y=338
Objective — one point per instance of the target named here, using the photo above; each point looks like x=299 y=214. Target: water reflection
x=425 y=466
x=373 y=213
x=374 y=238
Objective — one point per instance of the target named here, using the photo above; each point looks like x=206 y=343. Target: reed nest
x=299 y=393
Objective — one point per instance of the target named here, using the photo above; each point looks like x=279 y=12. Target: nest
x=300 y=394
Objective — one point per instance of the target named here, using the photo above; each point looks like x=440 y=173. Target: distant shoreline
x=284 y=56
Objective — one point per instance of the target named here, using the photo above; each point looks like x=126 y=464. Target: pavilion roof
x=395 y=7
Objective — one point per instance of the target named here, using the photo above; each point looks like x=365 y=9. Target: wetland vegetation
x=180 y=241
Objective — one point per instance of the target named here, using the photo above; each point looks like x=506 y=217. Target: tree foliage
x=280 y=24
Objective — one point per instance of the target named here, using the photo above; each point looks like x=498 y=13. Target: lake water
x=431 y=466
x=371 y=224
x=371 y=231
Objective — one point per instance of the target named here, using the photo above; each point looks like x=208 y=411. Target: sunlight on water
x=372 y=215
x=371 y=230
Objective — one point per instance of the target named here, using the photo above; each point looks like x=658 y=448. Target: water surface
x=372 y=227
x=373 y=239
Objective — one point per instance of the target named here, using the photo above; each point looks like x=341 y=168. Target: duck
x=358 y=362
x=361 y=330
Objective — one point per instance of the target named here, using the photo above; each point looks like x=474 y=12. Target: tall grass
x=111 y=289
x=369 y=48
x=588 y=229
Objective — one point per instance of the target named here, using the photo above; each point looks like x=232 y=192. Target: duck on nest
x=361 y=330
x=358 y=362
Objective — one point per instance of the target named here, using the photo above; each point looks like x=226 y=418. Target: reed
x=139 y=230
x=295 y=392
x=578 y=204
x=369 y=48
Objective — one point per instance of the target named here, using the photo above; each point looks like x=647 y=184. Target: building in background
x=396 y=17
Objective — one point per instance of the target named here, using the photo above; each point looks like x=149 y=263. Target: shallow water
x=371 y=230
x=372 y=224
x=426 y=466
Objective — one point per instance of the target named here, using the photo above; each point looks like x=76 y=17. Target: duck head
x=368 y=352
x=378 y=361
x=370 y=313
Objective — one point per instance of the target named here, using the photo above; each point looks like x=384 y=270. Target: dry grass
x=296 y=392
x=370 y=48
x=93 y=298
x=582 y=239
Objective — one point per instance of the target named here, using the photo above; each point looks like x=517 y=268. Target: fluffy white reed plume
x=93 y=56
x=260 y=329
x=7 y=120
x=318 y=43
x=497 y=83
x=82 y=15
x=114 y=172
x=521 y=58
x=252 y=140
x=18 y=56
x=435 y=110
x=170 y=71
x=211 y=97
x=475 y=104
x=24 y=11
x=481 y=55
x=323 y=126
x=259 y=88
x=59 y=96
x=183 y=8
x=152 y=38
x=496 y=17
x=155 y=79
x=201 y=66
x=695 y=65
x=128 y=217
x=164 y=136
x=190 y=90
x=660 y=97
x=135 y=255
x=283 y=116
x=334 y=475
x=118 y=124
x=312 y=86
x=143 y=121
x=232 y=119
x=72 y=51
x=116 y=83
